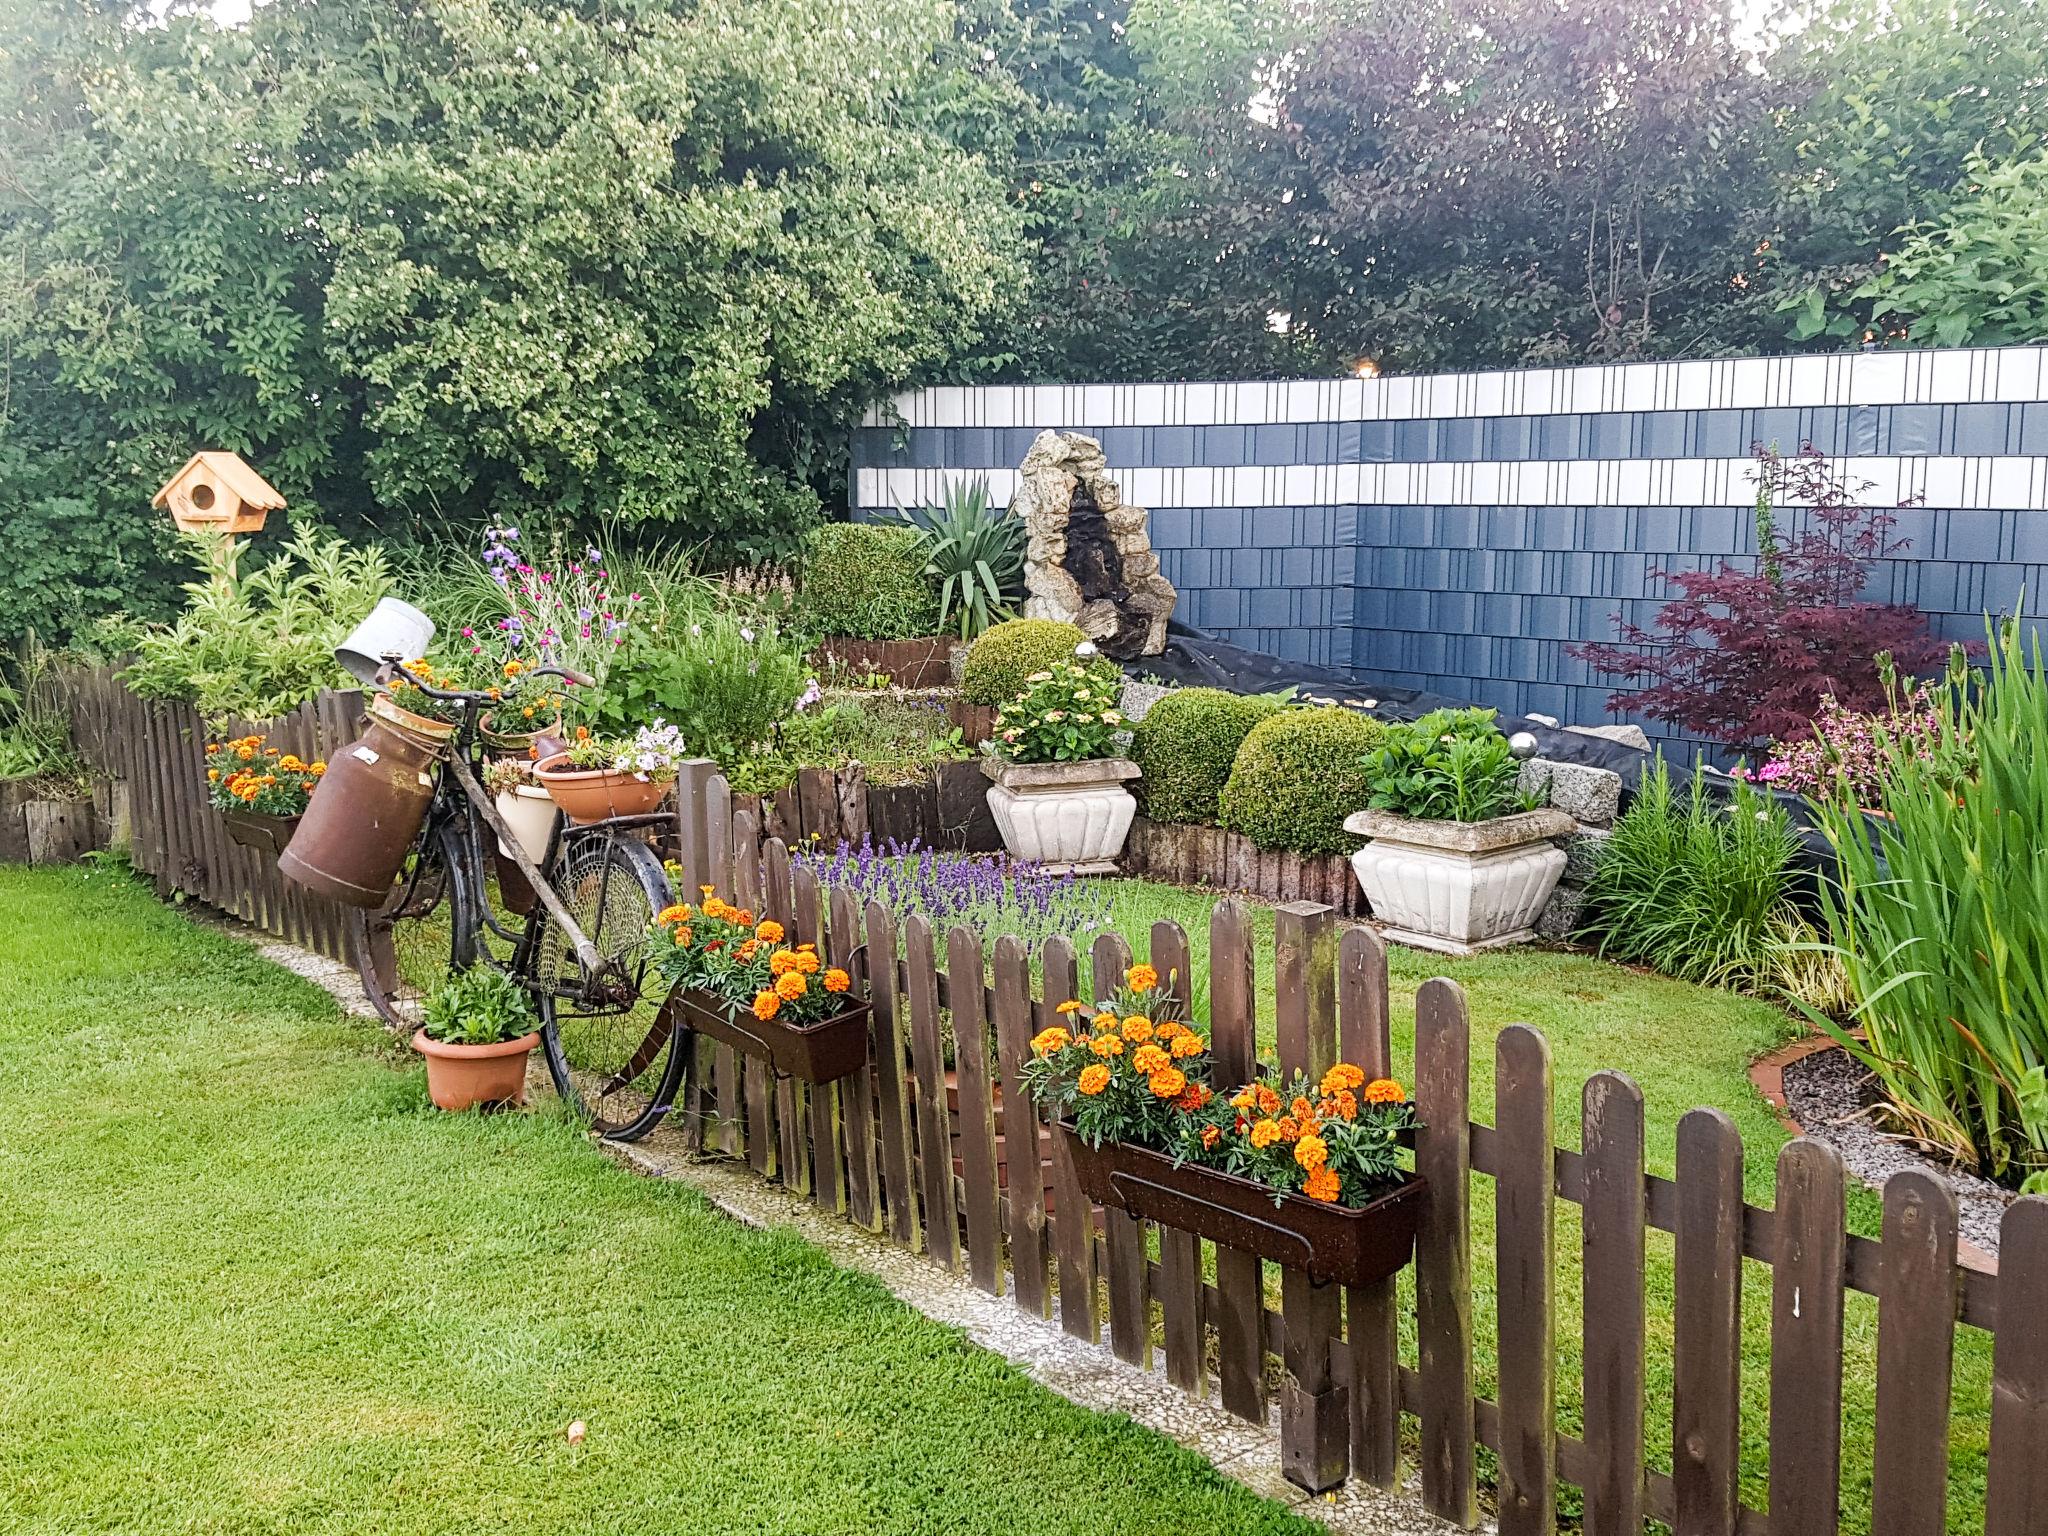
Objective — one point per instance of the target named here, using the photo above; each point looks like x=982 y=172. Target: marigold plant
x=745 y=963
x=246 y=775
x=1336 y=1139
x=1125 y=1069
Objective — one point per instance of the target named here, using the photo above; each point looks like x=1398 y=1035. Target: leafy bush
x=479 y=1006
x=866 y=581
x=259 y=644
x=1698 y=889
x=1844 y=755
x=1066 y=714
x=1940 y=918
x=35 y=723
x=1450 y=765
x=1745 y=656
x=723 y=682
x=1297 y=776
x=974 y=553
x=1006 y=654
x=1185 y=746
x=896 y=739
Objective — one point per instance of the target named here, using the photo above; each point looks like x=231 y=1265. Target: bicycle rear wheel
x=424 y=931
x=620 y=1062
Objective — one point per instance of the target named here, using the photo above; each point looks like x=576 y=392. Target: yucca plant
x=1939 y=915
x=974 y=553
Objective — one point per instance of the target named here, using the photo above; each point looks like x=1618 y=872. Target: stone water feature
x=1089 y=559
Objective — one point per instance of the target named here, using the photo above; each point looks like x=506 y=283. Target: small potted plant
x=1058 y=794
x=516 y=722
x=260 y=792
x=1307 y=1174
x=744 y=983
x=1459 y=860
x=528 y=809
x=603 y=776
x=478 y=1030
x=404 y=705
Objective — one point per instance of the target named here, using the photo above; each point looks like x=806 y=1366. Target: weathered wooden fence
x=1222 y=860
x=943 y=1167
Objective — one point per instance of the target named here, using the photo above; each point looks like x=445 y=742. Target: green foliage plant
x=1006 y=654
x=1450 y=765
x=974 y=554
x=478 y=1006
x=1696 y=887
x=1185 y=746
x=723 y=681
x=1939 y=914
x=866 y=581
x=35 y=725
x=896 y=739
x=1065 y=714
x=1297 y=776
x=252 y=645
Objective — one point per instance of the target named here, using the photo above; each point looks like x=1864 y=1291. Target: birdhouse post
x=218 y=492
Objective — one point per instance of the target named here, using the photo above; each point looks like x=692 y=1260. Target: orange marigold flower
x=1168 y=1083
x=1311 y=1152
x=1149 y=1059
x=1094 y=1078
x=837 y=980
x=807 y=961
x=672 y=914
x=1141 y=978
x=1290 y=1128
x=746 y=951
x=744 y=916
x=1342 y=1075
x=1265 y=1133
x=1195 y=1098
x=769 y=932
x=792 y=985
x=1269 y=1101
x=245 y=753
x=1347 y=1104
x=318 y=769
x=1384 y=1090
x=781 y=962
x=1185 y=1044
x=1137 y=1028
x=1166 y=1029
x=1210 y=1136
x=1322 y=1184
x=1046 y=1041
x=684 y=936
x=1071 y=1005
x=766 y=1005
x=1107 y=1045
x=1104 y=1021
x=213 y=775
x=1244 y=1098
x=1301 y=1109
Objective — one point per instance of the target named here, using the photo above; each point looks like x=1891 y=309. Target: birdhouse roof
x=233 y=472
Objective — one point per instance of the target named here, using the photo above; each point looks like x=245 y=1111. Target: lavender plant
x=989 y=892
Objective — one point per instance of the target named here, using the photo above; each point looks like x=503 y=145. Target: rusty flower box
x=266 y=834
x=822 y=1052
x=1330 y=1242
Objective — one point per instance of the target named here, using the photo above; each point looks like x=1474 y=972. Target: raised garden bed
x=926 y=663
x=1229 y=861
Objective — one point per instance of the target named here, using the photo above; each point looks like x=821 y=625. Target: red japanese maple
x=1744 y=653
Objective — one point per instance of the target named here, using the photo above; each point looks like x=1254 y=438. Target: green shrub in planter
x=1297 y=776
x=866 y=581
x=1186 y=744
x=1007 y=654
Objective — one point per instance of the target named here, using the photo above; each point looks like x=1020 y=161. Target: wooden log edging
x=1218 y=859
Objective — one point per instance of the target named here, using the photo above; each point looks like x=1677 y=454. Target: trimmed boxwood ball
x=866 y=581
x=1186 y=744
x=1006 y=654
x=1297 y=776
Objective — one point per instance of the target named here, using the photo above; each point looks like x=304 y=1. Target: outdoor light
x=1365 y=368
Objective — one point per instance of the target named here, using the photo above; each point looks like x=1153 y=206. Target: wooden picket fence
x=934 y=1167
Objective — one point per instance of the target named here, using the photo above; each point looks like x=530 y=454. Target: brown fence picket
x=857 y=1100
x=1613 y=1322
x=821 y=1103
x=1525 y=1241
x=1372 y=1320
x=1706 y=1404
x=778 y=900
x=727 y=1089
x=973 y=1045
x=1180 y=1253
x=2016 y=1482
x=1023 y=1137
x=1806 y=1341
x=1072 y=1215
x=1443 y=1252
x=1233 y=1047
x=1315 y=1406
x=894 y=1110
x=1916 y=1327
x=928 y=1065
x=756 y=1081
x=1130 y=1306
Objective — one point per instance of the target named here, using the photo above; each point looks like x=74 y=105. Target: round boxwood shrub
x=866 y=581
x=1186 y=744
x=1006 y=654
x=1297 y=776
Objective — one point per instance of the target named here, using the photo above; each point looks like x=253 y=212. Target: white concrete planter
x=1071 y=817
x=529 y=811
x=1459 y=887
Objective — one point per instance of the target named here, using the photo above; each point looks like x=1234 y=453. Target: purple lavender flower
x=991 y=892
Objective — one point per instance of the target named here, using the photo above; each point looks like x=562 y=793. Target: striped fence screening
x=1457 y=532
x=933 y=1165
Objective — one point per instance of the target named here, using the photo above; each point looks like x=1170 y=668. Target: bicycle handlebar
x=391 y=668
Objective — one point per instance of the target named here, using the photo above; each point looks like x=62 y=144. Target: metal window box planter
x=822 y=1052
x=266 y=834
x=1329 y=1242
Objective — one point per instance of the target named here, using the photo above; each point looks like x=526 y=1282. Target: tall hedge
x=1186 y=744
x=1297 y=776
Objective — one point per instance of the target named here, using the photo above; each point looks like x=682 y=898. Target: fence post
x=828 y=1162
x=1525 y=1241
x=892 y=1061
x=1315 y=1407
x=1806 y=1342
x=1443 y=1251
x=1233 y=1046
x=2016 y=1483
x=1916 y=1335
x=863 y=1182
x=1706 y=1346
x=1073 y=1215
x=1372 y=1323
x=1611 y=1256
x=934 y=1133
x=1130 y=1309
x=693 y=843
x=972 y=1049
x=722 y=874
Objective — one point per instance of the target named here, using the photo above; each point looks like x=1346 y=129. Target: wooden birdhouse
x=218 y=493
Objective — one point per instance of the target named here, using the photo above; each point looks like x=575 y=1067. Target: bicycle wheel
x=425 y=930
x=619 y=1062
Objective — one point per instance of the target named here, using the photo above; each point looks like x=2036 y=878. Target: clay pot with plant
x=478 y=1032
x=599 y=777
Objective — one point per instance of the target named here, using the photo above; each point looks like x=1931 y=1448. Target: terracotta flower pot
x=437 y=735
x=462 y=1076
x=592 y=795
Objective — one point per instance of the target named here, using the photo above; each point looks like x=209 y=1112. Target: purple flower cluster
x=989 y=892
x=568 y=615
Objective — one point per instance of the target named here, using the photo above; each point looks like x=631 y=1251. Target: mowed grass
x=1685 y=1046
x=253 y=1283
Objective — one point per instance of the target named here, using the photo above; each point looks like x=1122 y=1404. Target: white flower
x=746 y=634
x=1111 y=717
x=1039 y=677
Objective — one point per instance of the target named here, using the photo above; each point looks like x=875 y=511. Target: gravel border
x=1830 y=1095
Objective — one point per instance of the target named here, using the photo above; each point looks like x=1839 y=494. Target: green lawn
x=1684 y=1046
x=255 y=1284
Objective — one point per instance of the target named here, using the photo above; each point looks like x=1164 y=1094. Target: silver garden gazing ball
x=1522 y=746
x=1086 y=649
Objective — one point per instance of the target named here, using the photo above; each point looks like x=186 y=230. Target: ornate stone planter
x=1459 y=887
x=1071 y=817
